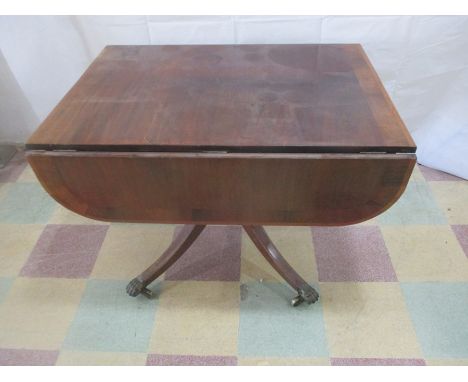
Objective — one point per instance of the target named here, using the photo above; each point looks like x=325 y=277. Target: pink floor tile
x=65 y=251
x=432 y=175
x=352 y=254
x=26 y=357
x=14 y=168
x=377 y=362
x=189 y=360
x=461 y=231
x=215 y=256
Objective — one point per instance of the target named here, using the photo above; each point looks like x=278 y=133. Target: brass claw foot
x=176 y=249
x=186 y=237
x=298 y=300
x=264 y=244
x=136 y=287
x=307 y=294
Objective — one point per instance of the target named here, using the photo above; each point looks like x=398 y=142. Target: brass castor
x=307 y=294
x=136 y=286
x=298 y=300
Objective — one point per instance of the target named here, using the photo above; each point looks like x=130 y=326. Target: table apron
x=224 y=188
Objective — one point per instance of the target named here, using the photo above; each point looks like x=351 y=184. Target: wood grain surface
x=256 y=189
x=237 y=98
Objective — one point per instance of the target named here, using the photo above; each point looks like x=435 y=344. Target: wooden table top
x=238 y=98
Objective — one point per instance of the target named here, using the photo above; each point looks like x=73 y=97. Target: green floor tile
x=271 y=327
x=111 y=321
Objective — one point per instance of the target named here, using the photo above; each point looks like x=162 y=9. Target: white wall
x=422 y=60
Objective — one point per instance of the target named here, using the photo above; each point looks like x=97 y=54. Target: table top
x=236 y=98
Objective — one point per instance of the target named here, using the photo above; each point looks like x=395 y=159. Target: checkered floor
x=394 y=290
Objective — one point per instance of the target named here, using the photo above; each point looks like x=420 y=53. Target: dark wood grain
x=271 y=254
x=178 y=247
x=248 y=189
x=226 y=134
x=238 y=98
x=189 y=233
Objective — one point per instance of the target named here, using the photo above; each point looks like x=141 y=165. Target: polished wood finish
x=266 y=247
x=178 y=247
x=254 y=189
x=189 y=233
x=226 y=134
x=238 y=98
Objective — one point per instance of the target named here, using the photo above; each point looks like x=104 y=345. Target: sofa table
x=248 y=135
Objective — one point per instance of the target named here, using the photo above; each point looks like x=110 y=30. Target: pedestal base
x=186 y=237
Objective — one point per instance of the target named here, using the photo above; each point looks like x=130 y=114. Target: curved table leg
x=176 y=249
x=278 y=262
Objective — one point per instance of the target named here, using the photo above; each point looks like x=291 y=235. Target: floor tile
x=36 y=313
x=197 y=318
x=283 y=362
x=461 y=232
x=4 y=187
x=417 y=174
x=447 y=362
x=65 y=251
x=26 y=203
x=426 y=253
x=5 y=284
x=373 y=221
x=108 y=320
x=27 y=175
x=91 y=358
x=189 y=360
x=432 y=175
x=271 y=327
x=214 y=256
x=128 y=249
x=440 y=315
x=377 y=362
x=416 y=206
x=27 y=357
x=295 y=245
x=452 y=197
x=17 y=242
x=368 y=320
x=62 y=215
x=353 y=253
x=12 y=170
x=204 y=316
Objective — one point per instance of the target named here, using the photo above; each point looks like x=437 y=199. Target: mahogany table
x=249 y=135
